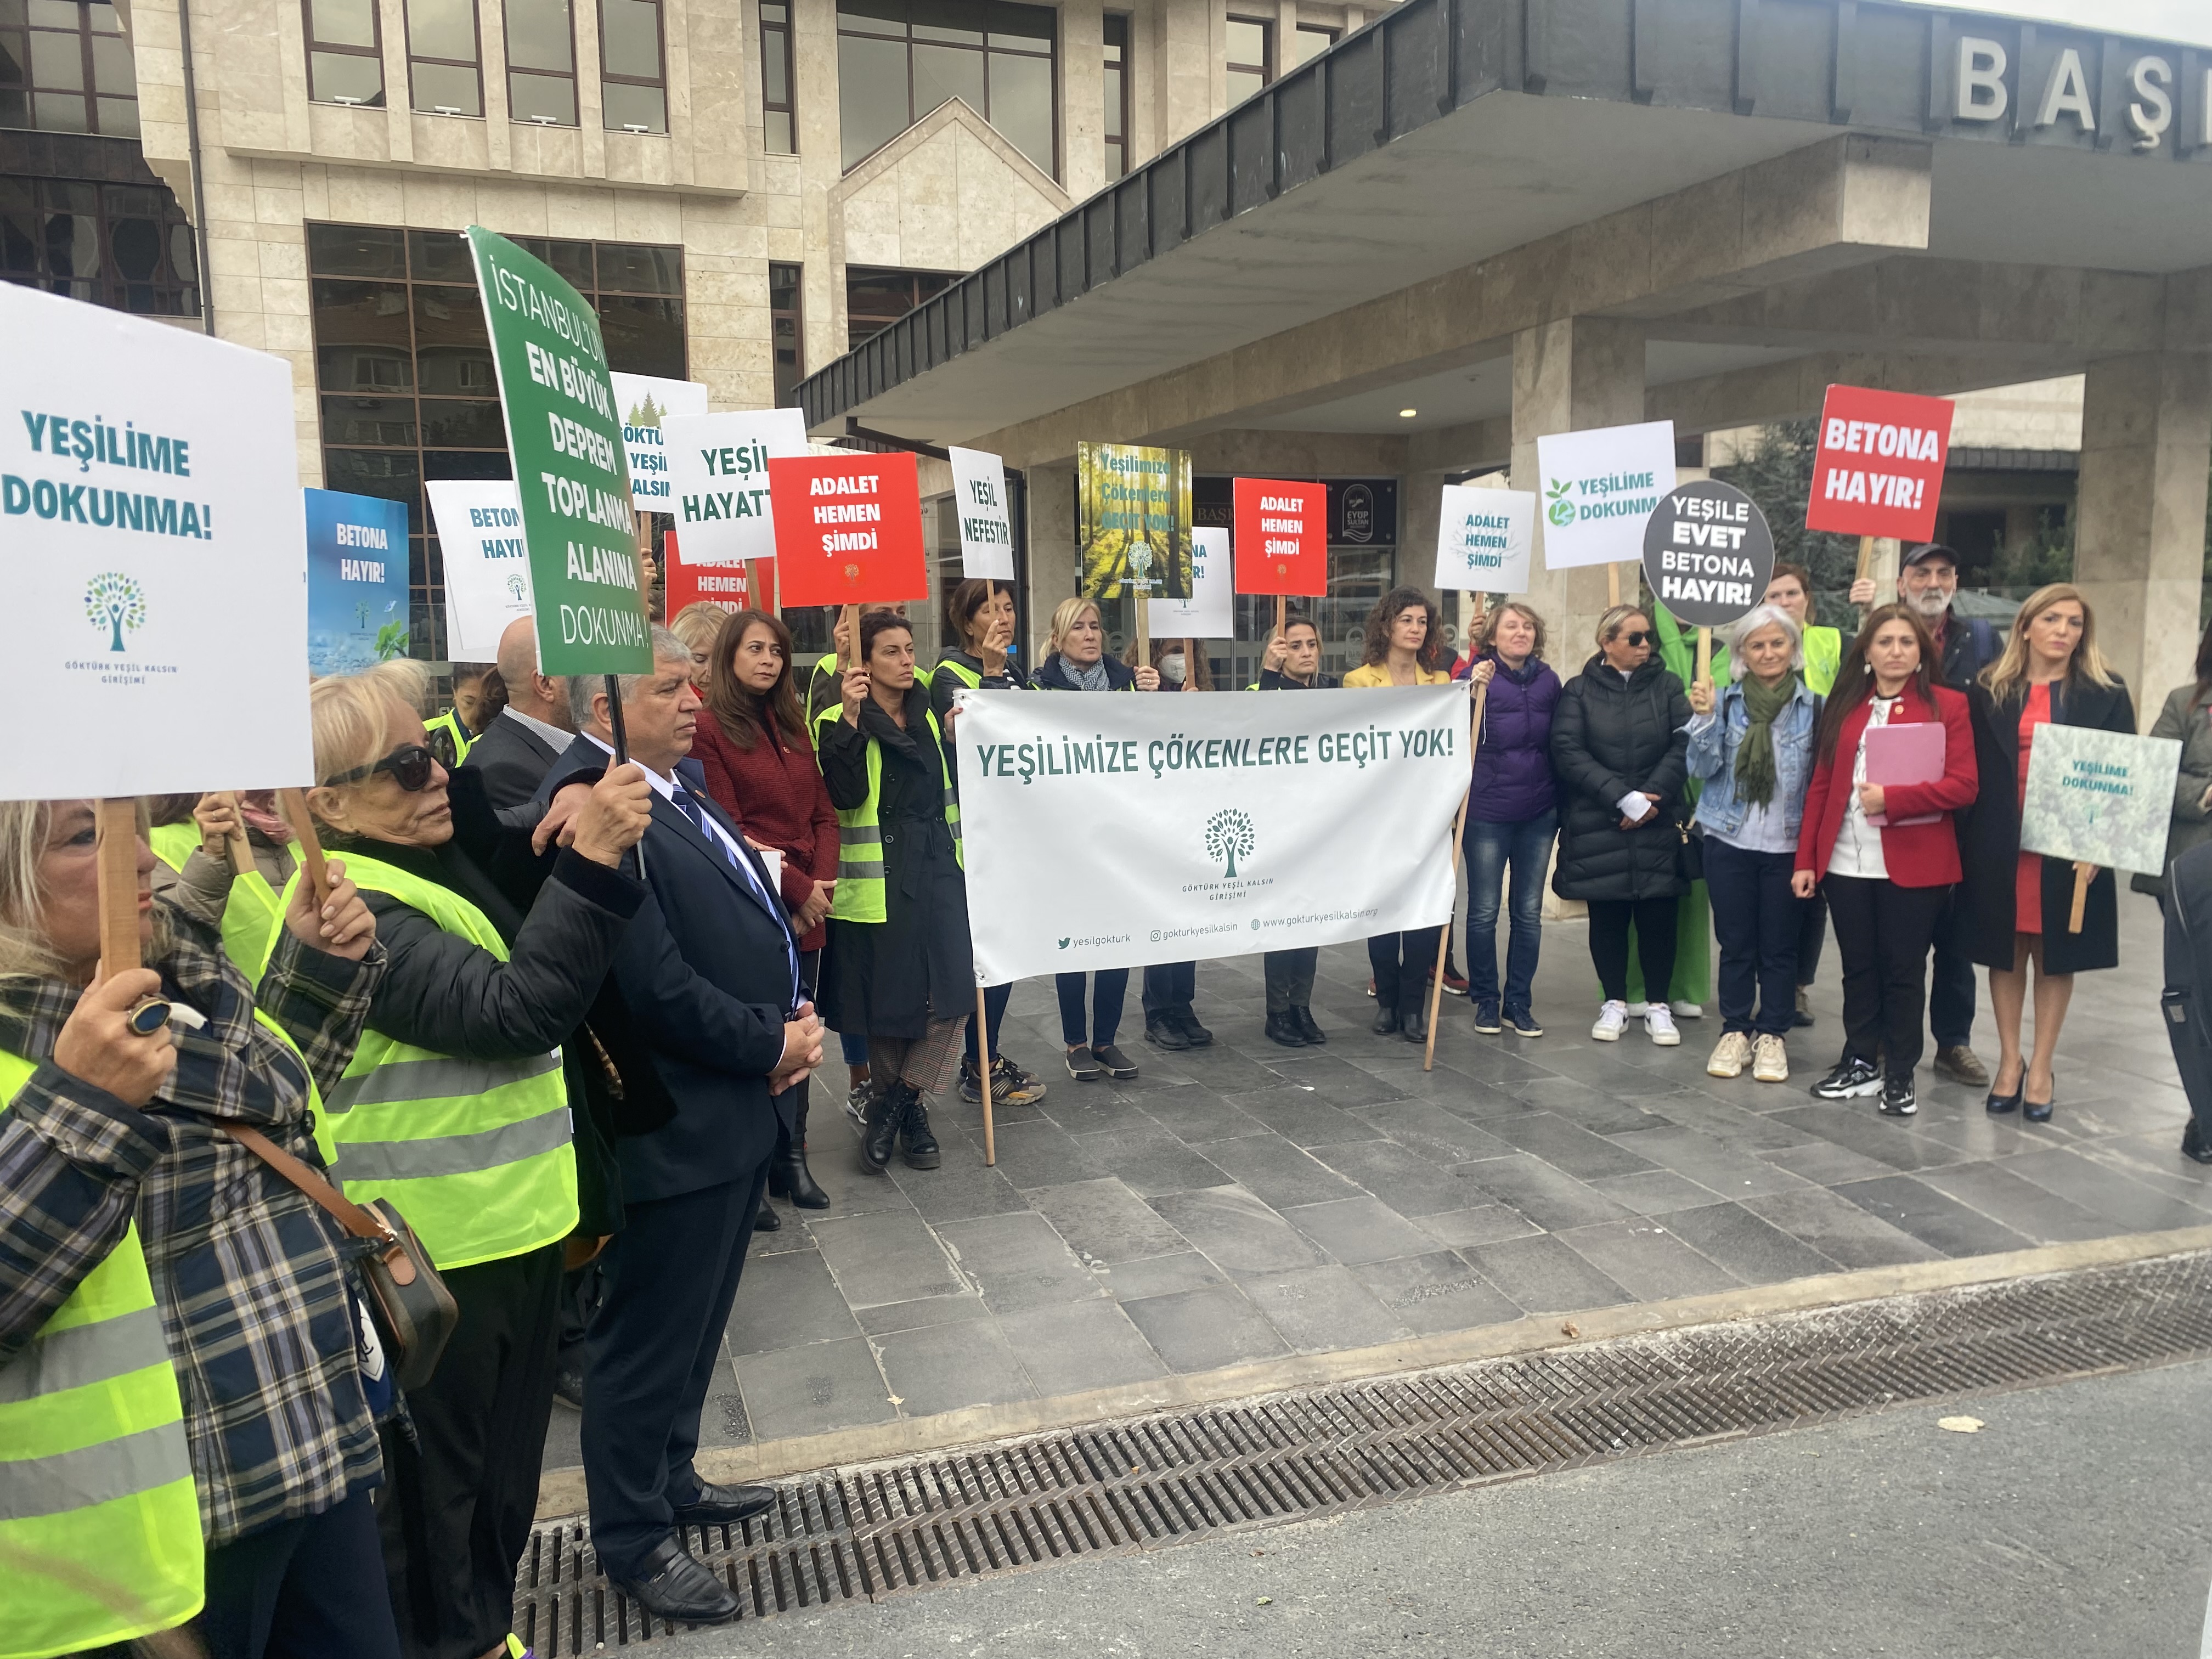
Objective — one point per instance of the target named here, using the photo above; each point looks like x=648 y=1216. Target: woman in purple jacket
x=1512 y=816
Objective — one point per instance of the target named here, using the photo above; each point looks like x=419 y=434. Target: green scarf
x=1755 y=758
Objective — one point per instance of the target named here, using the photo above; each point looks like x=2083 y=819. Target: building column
x=1568 y=376
x=2140 y=522
x=1050 y=499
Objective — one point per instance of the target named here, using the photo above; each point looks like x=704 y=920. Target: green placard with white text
x=564 y=434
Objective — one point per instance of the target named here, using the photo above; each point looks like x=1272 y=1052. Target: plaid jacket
x=253 y=1289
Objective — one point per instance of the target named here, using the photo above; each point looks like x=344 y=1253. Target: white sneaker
x=1729 y=1055
x=1688 y=1010
x=1637 y=1009
x=1771 y=1062
x=1659 y=1026
x=1612 y=1021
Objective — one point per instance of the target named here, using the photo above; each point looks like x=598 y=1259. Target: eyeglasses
x=1641 y=636
x=410 y=765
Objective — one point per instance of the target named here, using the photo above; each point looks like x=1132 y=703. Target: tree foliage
x=1777 y=474
x=1229 y=837
x=115 y=602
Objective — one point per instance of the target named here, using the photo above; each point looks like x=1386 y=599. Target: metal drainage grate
x=877 y=1530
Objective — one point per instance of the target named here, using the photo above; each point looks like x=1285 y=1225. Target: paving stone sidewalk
x=1246 y=1201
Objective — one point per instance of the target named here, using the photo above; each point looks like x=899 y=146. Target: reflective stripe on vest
x=859 y=894
x=100 y=1528
x=250 y=914
x=474 y=1153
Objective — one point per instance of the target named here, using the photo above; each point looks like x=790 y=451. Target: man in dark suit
x=526 y=737
x=709 y=978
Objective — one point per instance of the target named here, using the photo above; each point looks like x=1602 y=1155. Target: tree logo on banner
x=1228 y=837
x=1560 y=510
x=517 y=590
x=115 y=602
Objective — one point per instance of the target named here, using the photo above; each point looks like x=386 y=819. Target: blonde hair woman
x=699 y=624
x=2018 y=903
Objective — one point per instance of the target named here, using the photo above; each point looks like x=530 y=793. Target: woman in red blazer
x=760 y=768
x=1886 y=879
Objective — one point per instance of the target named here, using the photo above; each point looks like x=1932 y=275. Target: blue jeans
x=1491 y=848
x=1758 y=920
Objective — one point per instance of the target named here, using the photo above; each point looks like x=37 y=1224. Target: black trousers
x=1951 y=981
x=995 y=998
x=1883 y=932
x=1812 y=934
x=671 y=1275
x=1290 y=978
x=310 y=1589
x=1756 y=920
x=1170 y=984
x=1402 y=963
x=1654 y=920
x=456 y=1512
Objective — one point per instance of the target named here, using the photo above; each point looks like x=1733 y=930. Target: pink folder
x=1905 y=754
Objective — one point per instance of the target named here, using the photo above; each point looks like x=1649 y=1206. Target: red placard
x=729 y=585
x=848 y=529
x=1878 y=467
x=1279 y=535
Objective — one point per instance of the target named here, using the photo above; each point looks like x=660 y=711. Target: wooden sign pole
x=1612 y=585
x=118 y=821
x=983 y=1065
x=1705 y=655
x=235 y=843
x=643 y=525
x=1189 y=663
x=849 y=653
x=292 y=803
x=1459 y=830
x=1866 y=565
x=2084 y=873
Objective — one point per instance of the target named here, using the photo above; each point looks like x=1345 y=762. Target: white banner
x=1210 y=612
x=979 y=498
x=643 y=401
x=487 y=568
x=153 y=558
x=1484 y=538
x=1110 y=832
x=718 y=481
x=1599 y=488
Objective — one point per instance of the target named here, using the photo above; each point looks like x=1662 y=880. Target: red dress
x=2027 y=882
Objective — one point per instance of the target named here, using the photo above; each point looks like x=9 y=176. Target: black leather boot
x=1283 y=1028
x=787 y=1174
x=921 y=1144
x=879 y=1125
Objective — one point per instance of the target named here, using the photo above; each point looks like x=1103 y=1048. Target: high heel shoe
x=2038 y=1111
x=1997 y=1103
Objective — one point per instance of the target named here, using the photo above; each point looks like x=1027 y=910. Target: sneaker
x=1769 y=1060
x=971 y=1084
x=1730 y=1054
x=1896 y=1099
x=1612 y=1021
x=1082 y=1066
x=1010 y=1085
x=856 y=1103
x=1659 y=1026
x=1849 y=1079
x=1523 y=1025
x=1638 y=1010
x=1804 y=1018
x=1961 y=1065
x=1116 y=1063
x=1454 y=984
x=1485 y=1018
x=1688 y=1010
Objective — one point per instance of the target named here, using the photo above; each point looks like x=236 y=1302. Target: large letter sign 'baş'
x=848 y=529
x=565 y=436
x=1708 y=552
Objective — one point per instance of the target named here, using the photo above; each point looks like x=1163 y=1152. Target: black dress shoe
x=1307 y=1029
x=765 y=1220
x=2037 y=1111
x=722 y=1506
x=1386 y=1022
x=670 y=1584
x=1997 y=1105
x=1187 y=1022
x=1283 y=1029
x=2193 y=1144
x=879 y=1128
x=1163 y=1032
x=1415 y=1026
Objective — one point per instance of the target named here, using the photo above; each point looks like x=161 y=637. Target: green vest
x=474 y=1153
x=1824 y=655
x=859 y=895
x=100 y=1526
x=251 y=913
x=450 y=724
x=970 y=677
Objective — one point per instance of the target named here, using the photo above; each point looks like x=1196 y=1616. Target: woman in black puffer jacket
x=1620 y=743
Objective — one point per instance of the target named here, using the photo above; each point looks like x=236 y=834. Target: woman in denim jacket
x=1750 y=743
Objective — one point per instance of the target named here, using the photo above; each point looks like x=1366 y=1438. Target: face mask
x=1172 y=669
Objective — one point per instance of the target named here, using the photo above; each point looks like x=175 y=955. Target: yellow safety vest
x=251 y=915
x=100 y=1525
x=1824 y=655
x=474 y=1153
x=450 y=724
x=859 y=894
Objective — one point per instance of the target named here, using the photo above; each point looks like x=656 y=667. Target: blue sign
x=357 y=582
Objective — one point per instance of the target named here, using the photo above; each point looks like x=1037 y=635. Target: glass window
x=65 y=67
x=875 y=298
x=403 y=369
x=785 y=323
x=126 y=247
x=899 y=59
x=633 y=92
x=1117 y=94
x=345 y=52
x=541 y=62
x=441 y=57
x=1309 y=42
x=1251 y=57
x=776 y=78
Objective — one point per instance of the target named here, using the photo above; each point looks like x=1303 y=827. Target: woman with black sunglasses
x=456 y=1108
x=1620 y=741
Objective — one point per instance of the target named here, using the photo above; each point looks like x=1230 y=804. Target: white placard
x=486 y=568
x=1484 y=539
x=718 y=481
x=153 y=558
x=1210 y=612
x=644 y=401
x=1598 y=489
x=979 y=497
x=1218 y=823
